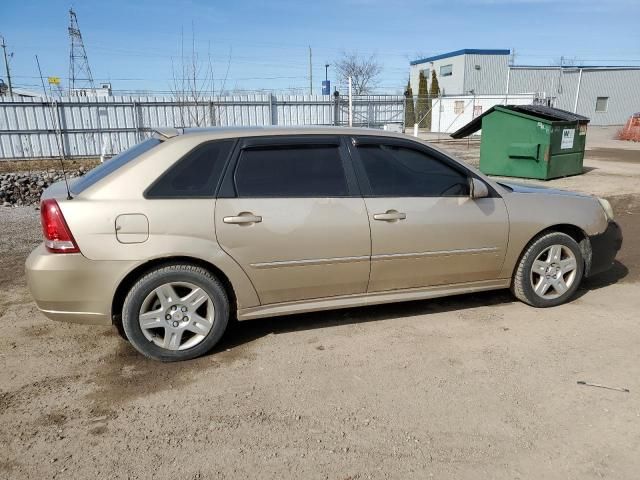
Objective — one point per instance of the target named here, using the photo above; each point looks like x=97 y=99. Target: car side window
x=291 y=171
x=196 y=175
x=395 y=171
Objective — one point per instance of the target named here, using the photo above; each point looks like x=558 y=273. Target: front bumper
x=71 y=288
x=604 y=248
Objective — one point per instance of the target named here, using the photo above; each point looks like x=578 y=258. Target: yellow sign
x=54 y=80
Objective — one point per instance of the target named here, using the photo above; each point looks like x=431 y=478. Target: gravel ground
x=21 y=233
x=475 y=386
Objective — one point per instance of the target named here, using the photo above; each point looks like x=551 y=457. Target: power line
x=143 y=79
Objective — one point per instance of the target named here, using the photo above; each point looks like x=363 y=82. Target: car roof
x=232 y=132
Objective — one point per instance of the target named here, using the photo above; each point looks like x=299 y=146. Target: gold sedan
x=172 y=237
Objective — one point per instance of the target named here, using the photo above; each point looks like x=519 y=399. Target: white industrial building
x=608 y=95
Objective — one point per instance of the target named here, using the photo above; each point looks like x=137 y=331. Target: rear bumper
x=72 y=288
x=604 y=248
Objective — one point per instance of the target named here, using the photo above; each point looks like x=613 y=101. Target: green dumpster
x=529 y=141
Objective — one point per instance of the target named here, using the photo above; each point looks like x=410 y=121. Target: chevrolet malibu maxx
x=175 y=236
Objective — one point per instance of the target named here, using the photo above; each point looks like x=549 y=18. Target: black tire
x=192 y=274
x=522 y=286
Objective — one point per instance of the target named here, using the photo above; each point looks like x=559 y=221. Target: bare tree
x=363 y=71
x=192 y=81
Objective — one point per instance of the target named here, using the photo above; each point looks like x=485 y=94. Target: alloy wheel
x=176 y=315
x=553 y=272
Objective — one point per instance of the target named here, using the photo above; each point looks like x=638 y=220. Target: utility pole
x=6 y=66
x=560 y=72
x=310 y=73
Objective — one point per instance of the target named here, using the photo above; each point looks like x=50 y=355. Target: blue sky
x=133 y=43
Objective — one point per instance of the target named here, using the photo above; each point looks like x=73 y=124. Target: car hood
x=528 y=188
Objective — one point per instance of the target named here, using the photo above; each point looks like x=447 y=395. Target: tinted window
x=111 y=165
x=195 y=175
x=297 y=171
x=402 y=172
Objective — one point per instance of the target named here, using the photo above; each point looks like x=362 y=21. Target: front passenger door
x=425 y=228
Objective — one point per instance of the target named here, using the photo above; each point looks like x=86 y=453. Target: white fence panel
x=85 y=127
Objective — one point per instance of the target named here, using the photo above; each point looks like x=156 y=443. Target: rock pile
x=25 y=188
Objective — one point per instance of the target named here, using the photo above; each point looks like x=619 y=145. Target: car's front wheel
x=175 y=312
x=550 y=270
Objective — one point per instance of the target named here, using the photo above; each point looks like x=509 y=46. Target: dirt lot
x=476 y=386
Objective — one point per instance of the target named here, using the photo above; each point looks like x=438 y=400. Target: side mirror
x=477 y=188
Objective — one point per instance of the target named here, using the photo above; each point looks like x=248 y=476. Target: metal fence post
x=272 y=115
x=212 y=120
x=350 y=103
x=136 y=116
x=439 y=113
x=61 y=121
x=404 y=114
x=473 y=115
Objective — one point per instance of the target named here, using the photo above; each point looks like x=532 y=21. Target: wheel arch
x=129 y=280
x=575 y=232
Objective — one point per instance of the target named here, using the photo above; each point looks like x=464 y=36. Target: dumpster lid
x=541 y=111
x=549 y=113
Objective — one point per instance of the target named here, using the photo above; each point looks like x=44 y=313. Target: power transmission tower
x=80 y=75
x=79 y=70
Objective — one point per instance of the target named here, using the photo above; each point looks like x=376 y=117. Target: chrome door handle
x=243 y=218
x=389 y=216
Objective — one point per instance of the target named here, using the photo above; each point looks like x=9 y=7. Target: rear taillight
x=57 y=236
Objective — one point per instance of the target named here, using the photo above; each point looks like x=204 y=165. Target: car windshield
x=111 y=165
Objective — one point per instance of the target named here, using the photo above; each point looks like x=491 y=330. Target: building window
x=601 y=104
x=446 y=70
x=458 y=107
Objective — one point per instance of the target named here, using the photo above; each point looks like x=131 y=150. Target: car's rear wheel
x=550 y=270
x=175 y=312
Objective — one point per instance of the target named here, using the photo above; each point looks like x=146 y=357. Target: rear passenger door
x=425 y=228
x=290 y=213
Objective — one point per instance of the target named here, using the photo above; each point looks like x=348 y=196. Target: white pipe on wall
x=575 y=105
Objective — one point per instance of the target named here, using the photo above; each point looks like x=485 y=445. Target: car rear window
x=196 y=175
x=104 y=169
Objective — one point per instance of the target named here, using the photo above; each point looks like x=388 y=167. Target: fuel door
x=132 y=228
